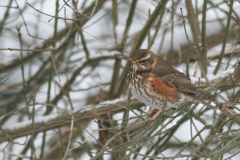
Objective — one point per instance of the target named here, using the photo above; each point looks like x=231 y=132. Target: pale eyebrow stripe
x=144 y=58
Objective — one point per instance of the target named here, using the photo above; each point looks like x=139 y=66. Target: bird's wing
x=174 y=79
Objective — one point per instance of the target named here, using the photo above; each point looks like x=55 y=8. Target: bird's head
x=143 y=59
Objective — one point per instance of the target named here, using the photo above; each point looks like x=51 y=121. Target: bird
x=154 y=82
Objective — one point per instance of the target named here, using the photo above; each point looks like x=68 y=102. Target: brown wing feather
x=174 y=79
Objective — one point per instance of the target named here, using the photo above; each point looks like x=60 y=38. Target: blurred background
x=63 y=67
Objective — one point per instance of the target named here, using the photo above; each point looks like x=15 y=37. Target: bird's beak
x=132 y=60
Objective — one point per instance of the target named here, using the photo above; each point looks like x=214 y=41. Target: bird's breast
x=152 y=91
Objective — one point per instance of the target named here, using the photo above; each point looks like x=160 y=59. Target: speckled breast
x=148 y=89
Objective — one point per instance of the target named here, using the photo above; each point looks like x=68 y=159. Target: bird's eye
x=143 y=61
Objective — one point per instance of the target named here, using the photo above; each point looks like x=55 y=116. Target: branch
x=83 y=115
x=91 y=112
